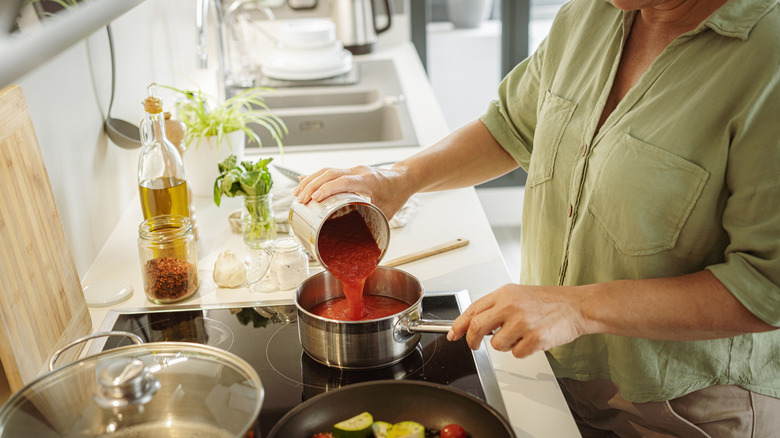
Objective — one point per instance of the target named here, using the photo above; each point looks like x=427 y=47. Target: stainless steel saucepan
x=363 y=344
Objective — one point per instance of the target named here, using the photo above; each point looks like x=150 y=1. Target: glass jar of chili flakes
x=169 y=261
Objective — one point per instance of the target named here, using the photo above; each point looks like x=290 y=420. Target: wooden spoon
x=438 y=249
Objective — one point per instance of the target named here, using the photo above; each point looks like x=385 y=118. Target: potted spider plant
x=216 y=129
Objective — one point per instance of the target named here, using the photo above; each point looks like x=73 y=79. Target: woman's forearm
x=689 y=307
x=467 y=157
x=464 y=158
x=533 y=318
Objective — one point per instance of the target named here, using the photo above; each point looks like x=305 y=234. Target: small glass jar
x=169 y=261
x=258 y=221
x=290 y=264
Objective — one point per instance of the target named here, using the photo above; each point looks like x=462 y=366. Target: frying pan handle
x=406 y=327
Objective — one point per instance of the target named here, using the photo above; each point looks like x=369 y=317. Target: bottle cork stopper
x=152 y=104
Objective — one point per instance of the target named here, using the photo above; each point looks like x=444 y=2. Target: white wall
x=94 y=180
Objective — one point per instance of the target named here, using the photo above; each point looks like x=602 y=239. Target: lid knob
x=125 y=381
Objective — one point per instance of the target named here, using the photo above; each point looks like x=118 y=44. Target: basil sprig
x=242 y=179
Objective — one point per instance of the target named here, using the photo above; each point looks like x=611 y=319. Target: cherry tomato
x=452 y=431
x=326 y=435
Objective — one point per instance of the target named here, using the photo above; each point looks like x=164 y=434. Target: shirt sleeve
x=511 y=118
x=751 y=270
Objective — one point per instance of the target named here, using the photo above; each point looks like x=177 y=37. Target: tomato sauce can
x=306 y=220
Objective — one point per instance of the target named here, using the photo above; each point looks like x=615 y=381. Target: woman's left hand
x=530 y=318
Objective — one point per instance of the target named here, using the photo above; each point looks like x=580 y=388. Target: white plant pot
x=469 y=13
x=201 y=159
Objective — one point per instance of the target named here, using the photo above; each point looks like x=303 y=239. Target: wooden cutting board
x=42 y=305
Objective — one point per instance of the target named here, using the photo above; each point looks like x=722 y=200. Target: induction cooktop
x=265 y=334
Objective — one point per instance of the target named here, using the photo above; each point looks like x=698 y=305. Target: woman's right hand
x=466 y=157
x=385 y=187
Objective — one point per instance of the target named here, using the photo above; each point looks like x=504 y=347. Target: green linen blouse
x=684 y=175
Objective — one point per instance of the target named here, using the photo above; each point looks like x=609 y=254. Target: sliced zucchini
x=380 y=428
x=406 y=429
x=358 y=426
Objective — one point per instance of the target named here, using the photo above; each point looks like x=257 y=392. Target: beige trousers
x=717 y=411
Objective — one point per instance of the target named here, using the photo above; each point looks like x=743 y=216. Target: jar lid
x=286 y=244
x=107 y=293
x=139 y=390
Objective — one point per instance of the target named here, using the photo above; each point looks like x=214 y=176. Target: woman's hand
x=530 y=318
x=464 y=158
x=385 y=187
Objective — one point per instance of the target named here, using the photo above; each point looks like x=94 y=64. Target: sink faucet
x=241 y=22
x=201 y=18
x=201 y=21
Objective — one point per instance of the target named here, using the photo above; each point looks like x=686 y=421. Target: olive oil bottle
x=164 y=196
x=161 y=181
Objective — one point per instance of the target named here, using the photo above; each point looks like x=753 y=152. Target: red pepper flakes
x=169 y=278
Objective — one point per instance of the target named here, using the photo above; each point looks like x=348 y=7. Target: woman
x=651 y=235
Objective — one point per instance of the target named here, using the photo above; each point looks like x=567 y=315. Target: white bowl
x=307 y=50
x=307 y=33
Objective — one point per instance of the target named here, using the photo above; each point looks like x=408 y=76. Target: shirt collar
x=736 y=18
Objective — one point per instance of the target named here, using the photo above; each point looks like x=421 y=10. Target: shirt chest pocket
x=643 y=195
x=554 y=116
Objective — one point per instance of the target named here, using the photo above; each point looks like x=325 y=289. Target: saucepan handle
x=407 y=327
x=429 y=326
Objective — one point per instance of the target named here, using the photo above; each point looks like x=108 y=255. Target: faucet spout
x=201 y=20
x=241 y=27
x=227 y=77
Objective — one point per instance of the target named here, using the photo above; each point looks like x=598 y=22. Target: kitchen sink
x=367 y=111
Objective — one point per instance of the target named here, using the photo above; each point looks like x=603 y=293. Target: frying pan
x=431 y=404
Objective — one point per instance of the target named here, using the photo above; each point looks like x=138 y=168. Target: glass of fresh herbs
x=253 y=181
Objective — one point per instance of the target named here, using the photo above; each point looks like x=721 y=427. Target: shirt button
x=570 y=210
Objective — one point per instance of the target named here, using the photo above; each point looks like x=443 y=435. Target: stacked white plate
x=307 y=49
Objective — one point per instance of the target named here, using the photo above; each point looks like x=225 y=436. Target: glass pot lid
x=156 y=389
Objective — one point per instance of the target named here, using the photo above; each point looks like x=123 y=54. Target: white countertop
x=534 y=403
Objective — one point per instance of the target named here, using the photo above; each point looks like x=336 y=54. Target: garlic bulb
x=229 y=270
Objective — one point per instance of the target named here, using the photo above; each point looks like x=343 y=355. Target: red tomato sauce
x=374 y=306
x=349 y=251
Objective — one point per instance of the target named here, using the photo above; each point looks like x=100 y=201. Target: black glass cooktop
x=265 y=334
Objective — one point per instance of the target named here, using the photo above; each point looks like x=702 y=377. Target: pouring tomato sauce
x=351 y=254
